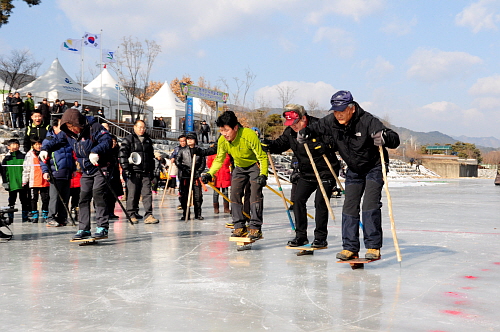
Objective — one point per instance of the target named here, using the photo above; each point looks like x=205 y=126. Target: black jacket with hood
x=354 y=141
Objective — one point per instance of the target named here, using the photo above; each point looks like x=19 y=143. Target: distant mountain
x=480 y=141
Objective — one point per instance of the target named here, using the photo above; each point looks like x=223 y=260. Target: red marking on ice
x=467 y=287
x=454 y=294
x=470 y=277
x=485 y=269
x=452 y=312
x=460 y=302
x=497 y=263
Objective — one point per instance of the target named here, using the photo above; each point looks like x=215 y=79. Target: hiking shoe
x=4 y=236
x=53 y=223
x=240 y=232
x=151 y=220
x=82 y=235
x=134 y=219
x=101 y=233
x=372 y=254
x=346 y=255
x=298 y=242
x=319 y=244
x=255 y=234
x=179 y=207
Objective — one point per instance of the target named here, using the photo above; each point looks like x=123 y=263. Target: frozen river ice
x=178 y=276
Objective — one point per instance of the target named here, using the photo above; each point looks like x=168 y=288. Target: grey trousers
x=241 y=176
x=93 y=186
x=57 y=211
x=139 y=184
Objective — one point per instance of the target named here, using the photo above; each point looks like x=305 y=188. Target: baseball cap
x=293 y=113
x=340 y=100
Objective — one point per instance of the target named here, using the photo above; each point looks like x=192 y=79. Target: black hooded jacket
x=317 y=147
x=132 y=143
x=184 y=162
x=354 y=141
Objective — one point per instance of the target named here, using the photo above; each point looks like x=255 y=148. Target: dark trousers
x=74 y=195
x=17 y=120
x=246 y=200
x=216 y=195
x=23 y=197
x=240 y=177
x=303 y=191
x=139 y=184
x=43 y=192
x=203 y=136
x=370 y=184
x=197 y=196
x=57 y=211
x=95 y=186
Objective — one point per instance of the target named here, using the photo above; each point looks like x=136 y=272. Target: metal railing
x=121 y=129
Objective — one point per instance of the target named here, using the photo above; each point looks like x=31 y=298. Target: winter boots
x=254 y=234
x=45 y=216
x=372 y=254
x=345 y=255
x=216 y=208
x=226 y=207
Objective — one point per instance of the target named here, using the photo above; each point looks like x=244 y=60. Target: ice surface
x=178 y=276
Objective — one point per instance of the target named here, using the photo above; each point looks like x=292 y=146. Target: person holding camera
x=137 y=161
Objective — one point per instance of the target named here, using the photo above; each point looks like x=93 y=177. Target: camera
x=6 y=220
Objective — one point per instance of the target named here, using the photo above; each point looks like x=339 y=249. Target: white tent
x=57 y=84
x=113 y=98
x=166 y=104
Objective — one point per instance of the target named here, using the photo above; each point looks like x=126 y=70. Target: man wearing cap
x=139 y=172
x=91 y=144
x=245 y=148
x=296 y=118
x=357 y=135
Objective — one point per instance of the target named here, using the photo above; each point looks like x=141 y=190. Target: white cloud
x=431 y=65
x=487 y=103
x=399 y=27
x=340 y=41
x=355 y=9
x=320 y=92
x=486 y=85
x=380 y=69
x=481 y=15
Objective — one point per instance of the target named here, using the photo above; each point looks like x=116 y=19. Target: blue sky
x=425 y=65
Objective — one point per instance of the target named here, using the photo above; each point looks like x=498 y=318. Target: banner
x=72 y=46
x=189 y=114
x=108 y=56
x=92 y=40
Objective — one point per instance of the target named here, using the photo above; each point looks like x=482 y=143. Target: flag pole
x=81 y=78
x=100 y=50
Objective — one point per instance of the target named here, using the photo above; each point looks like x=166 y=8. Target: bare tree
x=133 y=67
x=313 y=107
x=18 y=69
x=285 y=94
x=239 y=91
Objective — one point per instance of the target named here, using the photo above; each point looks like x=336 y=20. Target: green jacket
x=245 y=149
x=13 y=175
x=29 y=105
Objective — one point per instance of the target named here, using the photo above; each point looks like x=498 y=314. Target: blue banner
x=189 y=114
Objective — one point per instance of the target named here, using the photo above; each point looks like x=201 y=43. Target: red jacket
x=223 y=176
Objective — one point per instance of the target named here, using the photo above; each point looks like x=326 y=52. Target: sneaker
x=151 y=220
x=179 y=207
x=298 y=242
x=319 y=244
x=199 y=218
x=346 y=255
x=101 y=233
x=255 y=234
x=239 y=232
x=53 y=223
x=372 y=254
x=134 y=219
x=81 y=235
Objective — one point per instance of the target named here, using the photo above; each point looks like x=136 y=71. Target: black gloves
x=261 y=180
x=378 y=138
x=294 y=178
x=206 y=178
x=303 y=135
